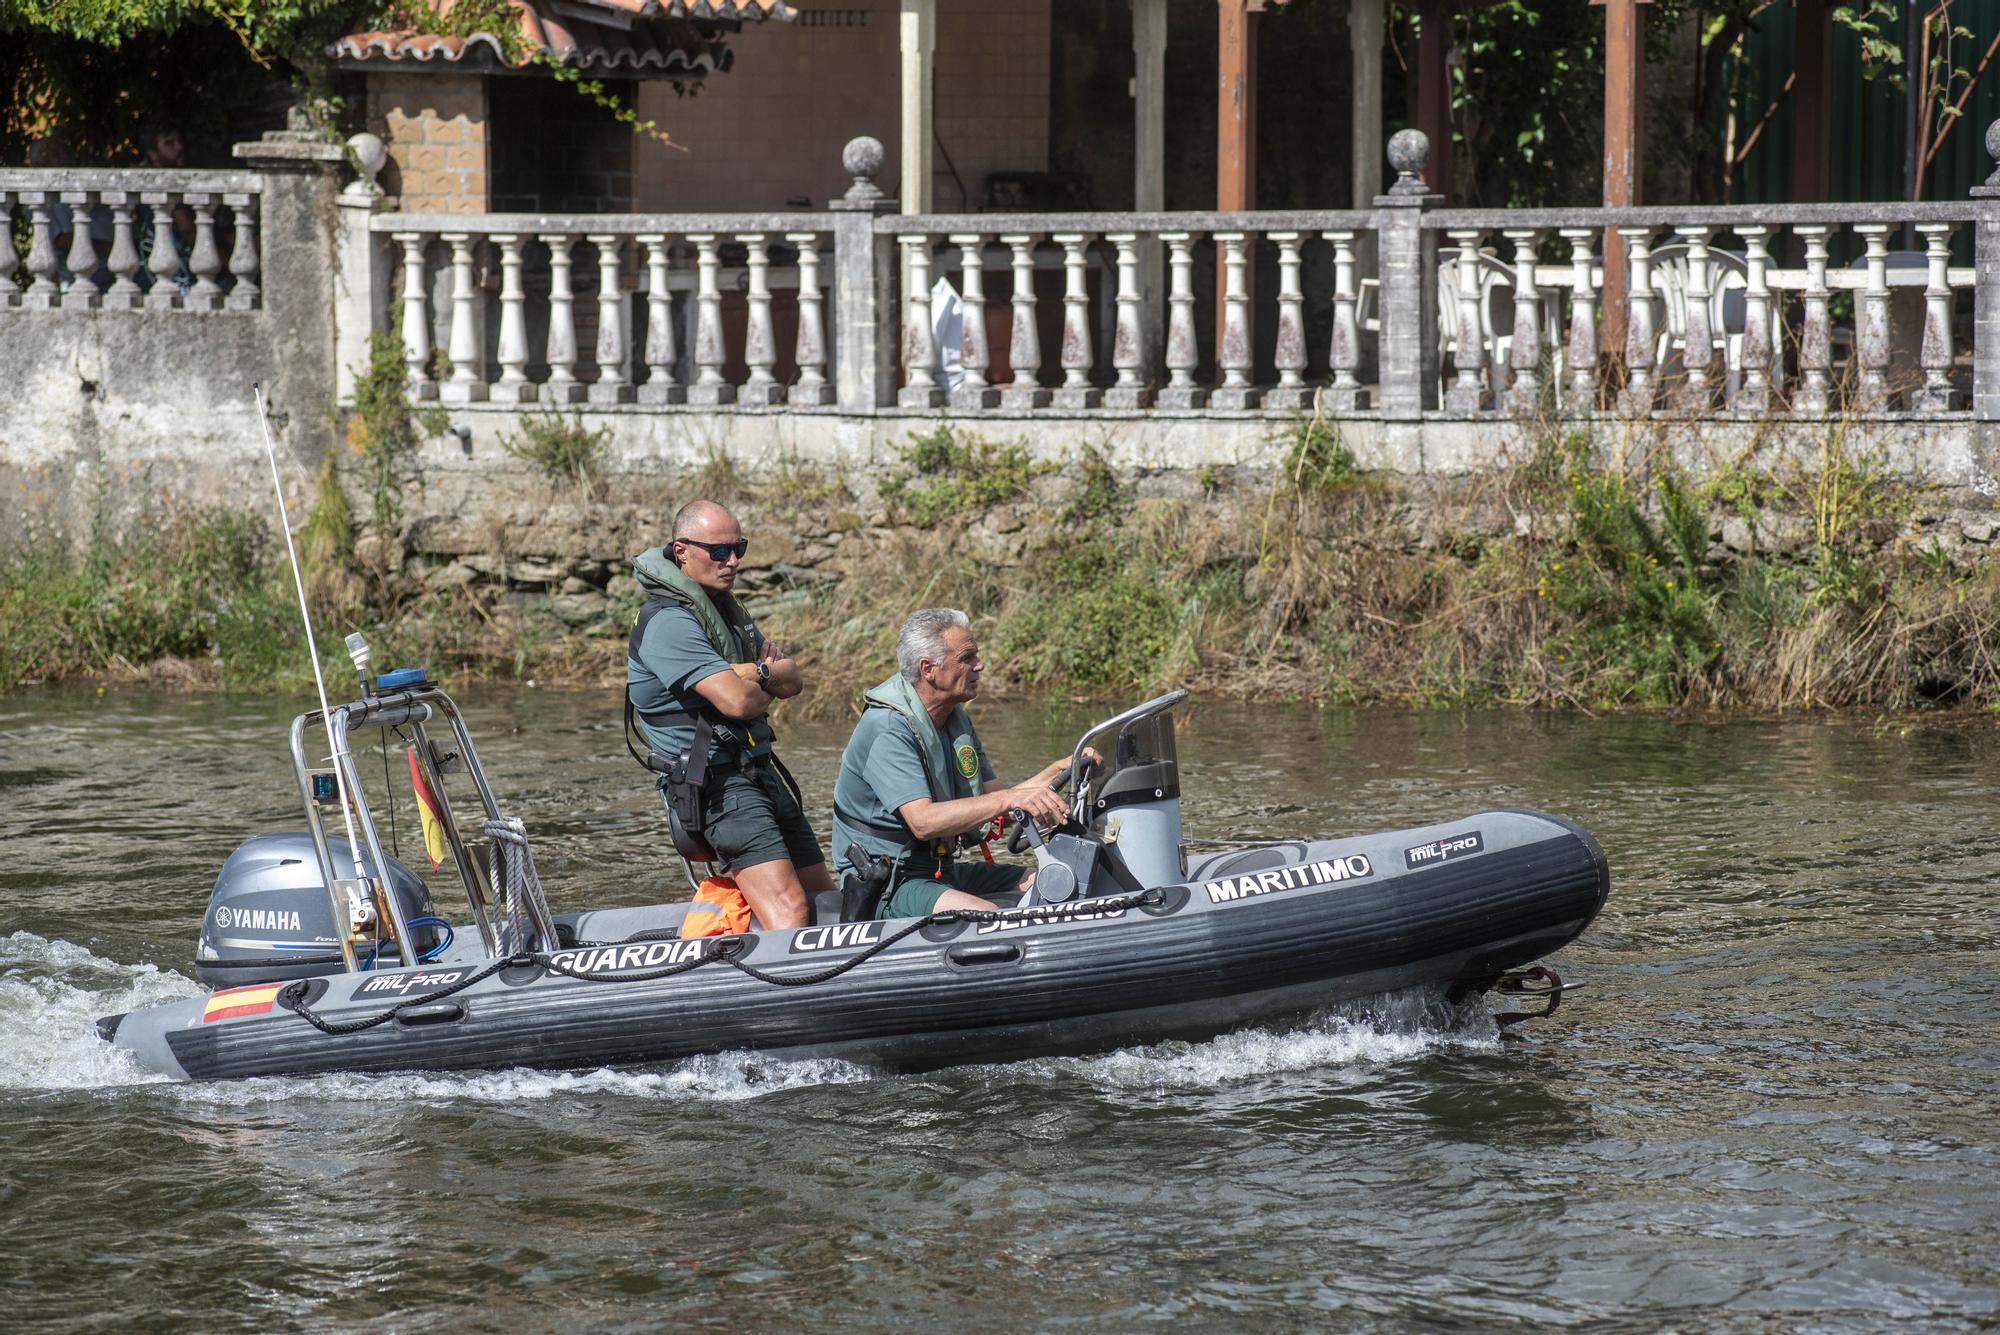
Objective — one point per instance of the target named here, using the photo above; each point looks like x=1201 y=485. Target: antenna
x=354 y=905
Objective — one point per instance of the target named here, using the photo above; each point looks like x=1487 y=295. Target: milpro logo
x=623 y=959
x=838 y=936
x=402 y=984
x=1443 y=850
x=1349 y=868
x=257 y=920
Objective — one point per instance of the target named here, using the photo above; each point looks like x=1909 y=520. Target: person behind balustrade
x=697 y=663
x=915 y=783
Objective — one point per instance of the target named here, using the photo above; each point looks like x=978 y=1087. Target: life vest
x=899 y=697
x=719 y=909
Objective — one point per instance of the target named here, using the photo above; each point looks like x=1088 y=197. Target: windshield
x=1139 y=760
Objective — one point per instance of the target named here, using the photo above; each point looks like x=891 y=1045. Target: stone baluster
x=920 y=350
x=709 y=388
x=1130 y=338
x=465 y=345
x=244 y=294
x=1642 y=383
x=1024 y=343
x=205 y=260
x=1078 y=356
x=513 y=385
x=1986 y=287
x=416 y=316
x=562 y=385
x=1235 y=392
x=614 y=349
x=43 y=293
x=974 y=358
x=1183 y=350
x=1290 y=357
x=1937 y=395
x=760 y=343
x=82 y=258
x=1524 y=349
x=1581 y=353
x=1815 y=392
x=124 y=294
x=662 y=349
x=1696 y=392
x=1468 y=357
x=163 y=260
x=1753 y=395
x=1343 y=395
x=812 y=387
x=1873 y=312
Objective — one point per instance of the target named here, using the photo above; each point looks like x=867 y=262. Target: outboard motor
x=269 y=918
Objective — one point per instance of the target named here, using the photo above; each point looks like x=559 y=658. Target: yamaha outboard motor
x=269 y=918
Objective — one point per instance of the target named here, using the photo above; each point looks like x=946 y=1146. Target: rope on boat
x=724 y=949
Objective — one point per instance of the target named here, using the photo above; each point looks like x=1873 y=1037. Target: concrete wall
x=768 y=134
x=112 y=411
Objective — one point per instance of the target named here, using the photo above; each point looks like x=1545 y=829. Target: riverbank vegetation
x=1580 y=576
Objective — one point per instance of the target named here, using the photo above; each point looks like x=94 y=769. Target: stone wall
x=434 y=126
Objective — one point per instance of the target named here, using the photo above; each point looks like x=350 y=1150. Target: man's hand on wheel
x=1043 y=806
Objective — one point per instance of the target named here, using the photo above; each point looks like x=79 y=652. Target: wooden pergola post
x=1624 y=151
x=919 y=54
x=1235 y=124
x=1812 y=58
x=1434 y=89
x=1149 y=184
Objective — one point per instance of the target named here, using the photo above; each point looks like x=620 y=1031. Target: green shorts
x=751 y=818
x=917 y=896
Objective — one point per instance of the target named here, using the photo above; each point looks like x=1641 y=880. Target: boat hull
x=1251 y=937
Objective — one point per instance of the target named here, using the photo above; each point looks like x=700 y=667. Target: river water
x=1772 y=1108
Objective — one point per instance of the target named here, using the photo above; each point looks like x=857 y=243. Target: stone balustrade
x=611 y=309
x=133 y=240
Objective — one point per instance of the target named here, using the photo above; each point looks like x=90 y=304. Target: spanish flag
x=427 y=810
x=256 y=1000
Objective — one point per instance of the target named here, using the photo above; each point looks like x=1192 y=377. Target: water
x=1771 y=1109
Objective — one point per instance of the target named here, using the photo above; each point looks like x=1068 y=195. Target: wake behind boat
x=328 y=955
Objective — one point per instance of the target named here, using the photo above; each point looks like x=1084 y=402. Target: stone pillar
x=1986 y=288
x=919 y=52
x=1409 y=350
x=363 y=264
x=864 y=296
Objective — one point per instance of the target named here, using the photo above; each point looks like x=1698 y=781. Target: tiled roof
x=680 y=39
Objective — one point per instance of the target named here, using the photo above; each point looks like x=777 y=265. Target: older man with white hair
x=915 y=785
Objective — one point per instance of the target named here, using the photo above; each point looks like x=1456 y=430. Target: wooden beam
x=1812 y=58
x=1434 y=89
x=1235 y=146
x=1365 y=25
x=1624 y=150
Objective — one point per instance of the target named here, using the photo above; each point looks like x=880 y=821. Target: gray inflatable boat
x=1125 y=938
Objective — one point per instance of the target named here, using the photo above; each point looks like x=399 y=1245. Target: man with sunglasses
x=698 y=670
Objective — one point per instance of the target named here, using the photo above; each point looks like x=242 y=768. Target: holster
x=862 y=889
x=683 y=777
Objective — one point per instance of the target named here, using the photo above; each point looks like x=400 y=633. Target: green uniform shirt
x=674 y=654
x=881 y=770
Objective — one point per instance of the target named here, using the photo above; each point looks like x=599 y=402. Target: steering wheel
x=1017 y=837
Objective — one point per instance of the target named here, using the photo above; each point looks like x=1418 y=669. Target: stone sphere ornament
x=862 y=159
x=1993 y=151
x=1409 y=154
x=370 y=155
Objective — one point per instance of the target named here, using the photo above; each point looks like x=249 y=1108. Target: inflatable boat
x=326 y=955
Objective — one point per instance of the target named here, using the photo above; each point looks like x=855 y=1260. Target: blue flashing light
x=400 y=678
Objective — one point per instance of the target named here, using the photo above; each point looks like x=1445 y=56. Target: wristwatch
x=763 y=675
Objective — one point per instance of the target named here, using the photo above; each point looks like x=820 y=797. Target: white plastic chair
x=1728 y=311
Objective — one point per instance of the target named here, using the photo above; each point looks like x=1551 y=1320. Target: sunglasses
x=719 y=552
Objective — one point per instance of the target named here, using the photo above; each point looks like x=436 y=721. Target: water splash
x=51 y=995
x=1369 y=1033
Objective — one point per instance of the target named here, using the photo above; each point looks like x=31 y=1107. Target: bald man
x=698 y=664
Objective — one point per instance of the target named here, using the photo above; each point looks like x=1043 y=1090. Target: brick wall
x=435 y=127
x=768 y=134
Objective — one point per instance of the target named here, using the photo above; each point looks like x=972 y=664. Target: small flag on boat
x=427 y=811
x=240 y=1001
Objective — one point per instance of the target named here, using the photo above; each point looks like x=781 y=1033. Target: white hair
x=923 y=637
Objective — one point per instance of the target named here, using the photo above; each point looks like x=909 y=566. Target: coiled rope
x=723 y=949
